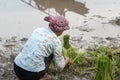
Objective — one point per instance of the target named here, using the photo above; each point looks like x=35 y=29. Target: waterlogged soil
x=10 y=48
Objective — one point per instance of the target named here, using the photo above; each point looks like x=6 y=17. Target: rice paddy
x=100 y=63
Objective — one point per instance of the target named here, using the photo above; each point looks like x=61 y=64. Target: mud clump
x=115 y=21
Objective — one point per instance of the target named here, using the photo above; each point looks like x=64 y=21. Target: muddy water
x=86 y=17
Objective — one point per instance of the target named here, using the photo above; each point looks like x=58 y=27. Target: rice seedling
x=66 y=43
x=106 y=50
x=103 y=61
x=77 y=58
x=103 y=68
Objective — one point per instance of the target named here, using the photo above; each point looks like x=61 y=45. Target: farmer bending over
x=43 y=45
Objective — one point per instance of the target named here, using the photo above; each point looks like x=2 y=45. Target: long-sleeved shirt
x=42 y=43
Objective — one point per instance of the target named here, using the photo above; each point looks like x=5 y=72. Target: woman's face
x=58 y=33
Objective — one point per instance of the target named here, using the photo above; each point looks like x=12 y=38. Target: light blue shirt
x=41 y=43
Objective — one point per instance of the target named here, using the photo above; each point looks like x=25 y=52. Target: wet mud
x=10 y=48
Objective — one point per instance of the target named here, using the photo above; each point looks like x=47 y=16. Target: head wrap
x=57 y=23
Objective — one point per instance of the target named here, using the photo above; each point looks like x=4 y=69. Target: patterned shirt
x=42 y=43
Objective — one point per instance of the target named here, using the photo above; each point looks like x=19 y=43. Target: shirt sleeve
x=58 y=57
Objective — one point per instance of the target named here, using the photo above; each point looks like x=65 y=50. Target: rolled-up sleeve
x=58 y=57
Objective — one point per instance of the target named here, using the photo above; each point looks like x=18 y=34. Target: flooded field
x=21 y=17
x=93 y=23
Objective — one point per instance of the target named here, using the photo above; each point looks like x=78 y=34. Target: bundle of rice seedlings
x=66 y=43
x=68 y=50
x=103 y=68
x=77 y=59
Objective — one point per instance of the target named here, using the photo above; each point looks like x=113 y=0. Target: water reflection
x=59 y=6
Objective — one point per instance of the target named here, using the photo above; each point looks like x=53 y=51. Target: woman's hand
x=67 y=61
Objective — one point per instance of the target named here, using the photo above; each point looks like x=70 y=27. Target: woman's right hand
x=67 y=61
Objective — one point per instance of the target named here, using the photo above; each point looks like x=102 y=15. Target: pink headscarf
x=58 y=23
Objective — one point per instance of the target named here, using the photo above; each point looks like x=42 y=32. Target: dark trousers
x=27 y=75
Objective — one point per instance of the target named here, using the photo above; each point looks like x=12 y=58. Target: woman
x=43 y=45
